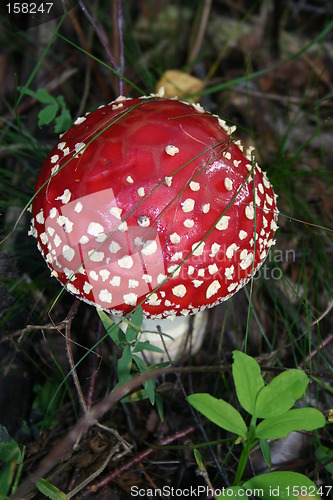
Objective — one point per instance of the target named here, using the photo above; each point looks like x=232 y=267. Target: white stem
x=175 y=336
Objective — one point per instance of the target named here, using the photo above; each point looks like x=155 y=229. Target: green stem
x=242 y=463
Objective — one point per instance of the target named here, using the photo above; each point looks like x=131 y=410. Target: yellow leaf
x=180 y=84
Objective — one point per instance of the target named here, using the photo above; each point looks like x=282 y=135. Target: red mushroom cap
x=151 y=201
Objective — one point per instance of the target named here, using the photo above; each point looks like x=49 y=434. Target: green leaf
x=63 y=121
x=44 y=97
x=10 y=455
x=282 y=485
x=149 y=385
x=266 y=452
x=281 y=394
x=136 y=319
x=46 y=115
x=199 y=461
x=146 y=346
x=248 y=380
x=50 y=491
x=232 y=492
x=325 y=457
x=112 y=329
x=301 y=419
x=159 y=406
x=124 y=365
x=219 y=412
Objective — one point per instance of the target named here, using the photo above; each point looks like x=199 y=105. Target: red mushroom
x=151 y=201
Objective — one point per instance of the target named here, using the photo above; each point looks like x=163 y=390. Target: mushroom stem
x=172 y=336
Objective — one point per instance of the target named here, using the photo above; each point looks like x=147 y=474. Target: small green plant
x=11 y=463
x=271 y=404
x=129 y=364
x=54 y=109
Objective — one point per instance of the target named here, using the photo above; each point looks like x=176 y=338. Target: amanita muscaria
x=151 y=201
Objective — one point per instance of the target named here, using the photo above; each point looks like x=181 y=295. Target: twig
x=93 y=475
x=101 y=35
x=91 y=417
x=140 y=457
x=195 y=48
x=70 y=358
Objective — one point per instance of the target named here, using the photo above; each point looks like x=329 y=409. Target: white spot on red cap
x=78 y=207
x=179 y=291
x=129 y=179
x=249 y=211
x=130 y=299
x=212 y=289
x=198 y=248
x=84 y=239
x=171 y=150
x=206 y=208
x=114 y=247
x=212 y=269
x=54 y=169
x=143 y=221
x=94 y=229
x=53 y=213
x=198 y=107
x=232 y=287
x=115 y=281
x=149 y=247
x=65 y=223
x=126 y=262
x=176 y=256
x=174 y=238
x=40 y=217
x=174 y=270
x=242 y=234
x=231 y=250
x=123 y=227
x=188 y=223
x=105 y=296
x=68 y=253
x=214 y=249
x=87 y=287
x=269 y=199
x=65 y=197
x=153 y=300
x=79 y=148
x=104 y=274
x=71 y=288
x=57 y=241
x=43 y=238
x=223 y=223
x=228 y=184
x=116 y=212
x=96 y=256
x=168 y=181
x=141 y=192
x=188 y=205
x=229 y=272
x=79 y=120
x=194 y=186
x=54 y=158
